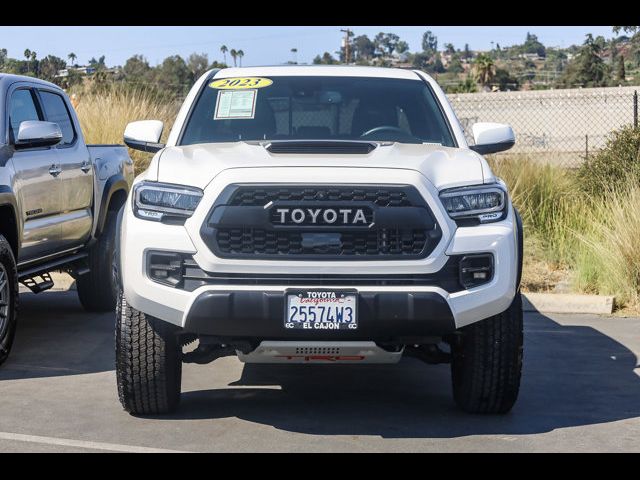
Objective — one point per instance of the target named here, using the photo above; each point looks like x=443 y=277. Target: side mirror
x=144 y=135
x=35 y=133
x=492 y=137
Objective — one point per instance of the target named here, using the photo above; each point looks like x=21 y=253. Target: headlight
x=157 y=201
x=484 y=204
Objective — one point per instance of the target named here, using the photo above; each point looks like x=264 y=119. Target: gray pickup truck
x=59 y=199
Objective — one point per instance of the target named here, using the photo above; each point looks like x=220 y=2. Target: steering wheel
x=383 y=128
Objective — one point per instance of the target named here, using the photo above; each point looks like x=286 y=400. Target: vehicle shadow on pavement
x=573 y=376
x=56 y=337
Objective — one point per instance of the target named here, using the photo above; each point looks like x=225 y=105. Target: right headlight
x=483 y=203
x=156 y=201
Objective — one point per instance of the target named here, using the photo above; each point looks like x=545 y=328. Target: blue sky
x=261 y=45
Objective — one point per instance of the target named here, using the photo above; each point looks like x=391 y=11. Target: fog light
x=165 y=268
x=476 y=270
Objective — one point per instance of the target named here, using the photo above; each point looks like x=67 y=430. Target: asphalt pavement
x=580 y=392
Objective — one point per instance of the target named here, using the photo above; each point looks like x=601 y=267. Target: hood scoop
x=339 y=147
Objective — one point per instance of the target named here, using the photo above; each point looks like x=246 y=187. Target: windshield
x=317 y=108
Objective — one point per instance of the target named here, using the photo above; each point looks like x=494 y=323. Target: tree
x=325 y=59
x=631 y=30
x=136 y=69
x=198 y=64
x=484 y=69
x=455 y=65
x=429 y=42
x=402 y=47
x=3 y=56
x=364 y=48
x=622 y=74
x=533 y=45
x=234 y=55
x=588 y=69
x=72 y=58
x=386 y=43
x=173 y=75
x=449 y=49
x=294 y=52
x=50 y=66
x=505 y=80
x=224 y=51
x=240 y=54
x=467 y=53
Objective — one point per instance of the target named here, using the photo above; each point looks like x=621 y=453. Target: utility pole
x=347 y=51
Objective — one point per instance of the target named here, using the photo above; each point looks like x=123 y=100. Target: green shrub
x=614 y=166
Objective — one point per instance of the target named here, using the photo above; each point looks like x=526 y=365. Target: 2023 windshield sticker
x=236 y=105
x=240 y=83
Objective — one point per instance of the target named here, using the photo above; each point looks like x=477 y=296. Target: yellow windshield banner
x=239 y=83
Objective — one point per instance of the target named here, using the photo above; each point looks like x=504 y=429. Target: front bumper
x=382 y=316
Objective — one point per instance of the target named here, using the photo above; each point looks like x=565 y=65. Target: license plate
x=321 y=310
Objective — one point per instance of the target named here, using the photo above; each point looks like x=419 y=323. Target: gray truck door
x=38 y=188
x=77 y=171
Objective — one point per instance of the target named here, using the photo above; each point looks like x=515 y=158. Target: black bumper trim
x=382 y=316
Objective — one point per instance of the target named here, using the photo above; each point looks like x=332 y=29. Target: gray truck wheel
x=487 y=362
x=98 y=290
x=148 y=362
x=8 y=298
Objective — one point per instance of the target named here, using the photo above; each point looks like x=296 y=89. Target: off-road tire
x=10 y=276
x=148 y=362
x=98 y=289
x=487 y=362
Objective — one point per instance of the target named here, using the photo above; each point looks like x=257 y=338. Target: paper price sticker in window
x=236 y=104
x=240 y=83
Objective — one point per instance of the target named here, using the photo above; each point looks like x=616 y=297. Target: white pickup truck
x=58 y=200
x=319 y=215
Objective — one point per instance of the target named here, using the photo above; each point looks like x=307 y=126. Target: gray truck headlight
x=157 y=201
x=482 y=203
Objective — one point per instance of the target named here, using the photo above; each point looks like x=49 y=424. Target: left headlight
x=481 y=203
x=157 y=201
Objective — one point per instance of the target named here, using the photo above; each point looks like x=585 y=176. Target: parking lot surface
x=580 y=392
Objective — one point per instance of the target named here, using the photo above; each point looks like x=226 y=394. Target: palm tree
x=27 y=55
x=234 y=55
x=72 y=58
x=224 y=51
x=484 y=69
x=240 y=54
x=295 y=55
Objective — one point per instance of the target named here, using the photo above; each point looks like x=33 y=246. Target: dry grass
x=571 y=237
x=103 y=117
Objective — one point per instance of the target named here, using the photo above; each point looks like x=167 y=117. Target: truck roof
x=318 y=70
x=8 y=78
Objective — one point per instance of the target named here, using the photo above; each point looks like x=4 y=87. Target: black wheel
x=487 y=362
x=148 y=361
x=98 y=289
x=8 y=298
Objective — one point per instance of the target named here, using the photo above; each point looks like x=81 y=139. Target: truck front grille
x=246 y=222
x=238 y=241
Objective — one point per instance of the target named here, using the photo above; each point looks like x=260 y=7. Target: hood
x=444 y=167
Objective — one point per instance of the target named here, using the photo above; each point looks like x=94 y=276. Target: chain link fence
x=559 y=126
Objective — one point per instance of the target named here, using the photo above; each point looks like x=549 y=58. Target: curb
x=567 y=303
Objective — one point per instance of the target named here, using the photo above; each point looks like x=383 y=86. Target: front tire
x=487 y=362
x=148 y=362
x=8 y=298
x=98 y=289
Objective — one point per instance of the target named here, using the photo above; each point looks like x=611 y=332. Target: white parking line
x=65 y=442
